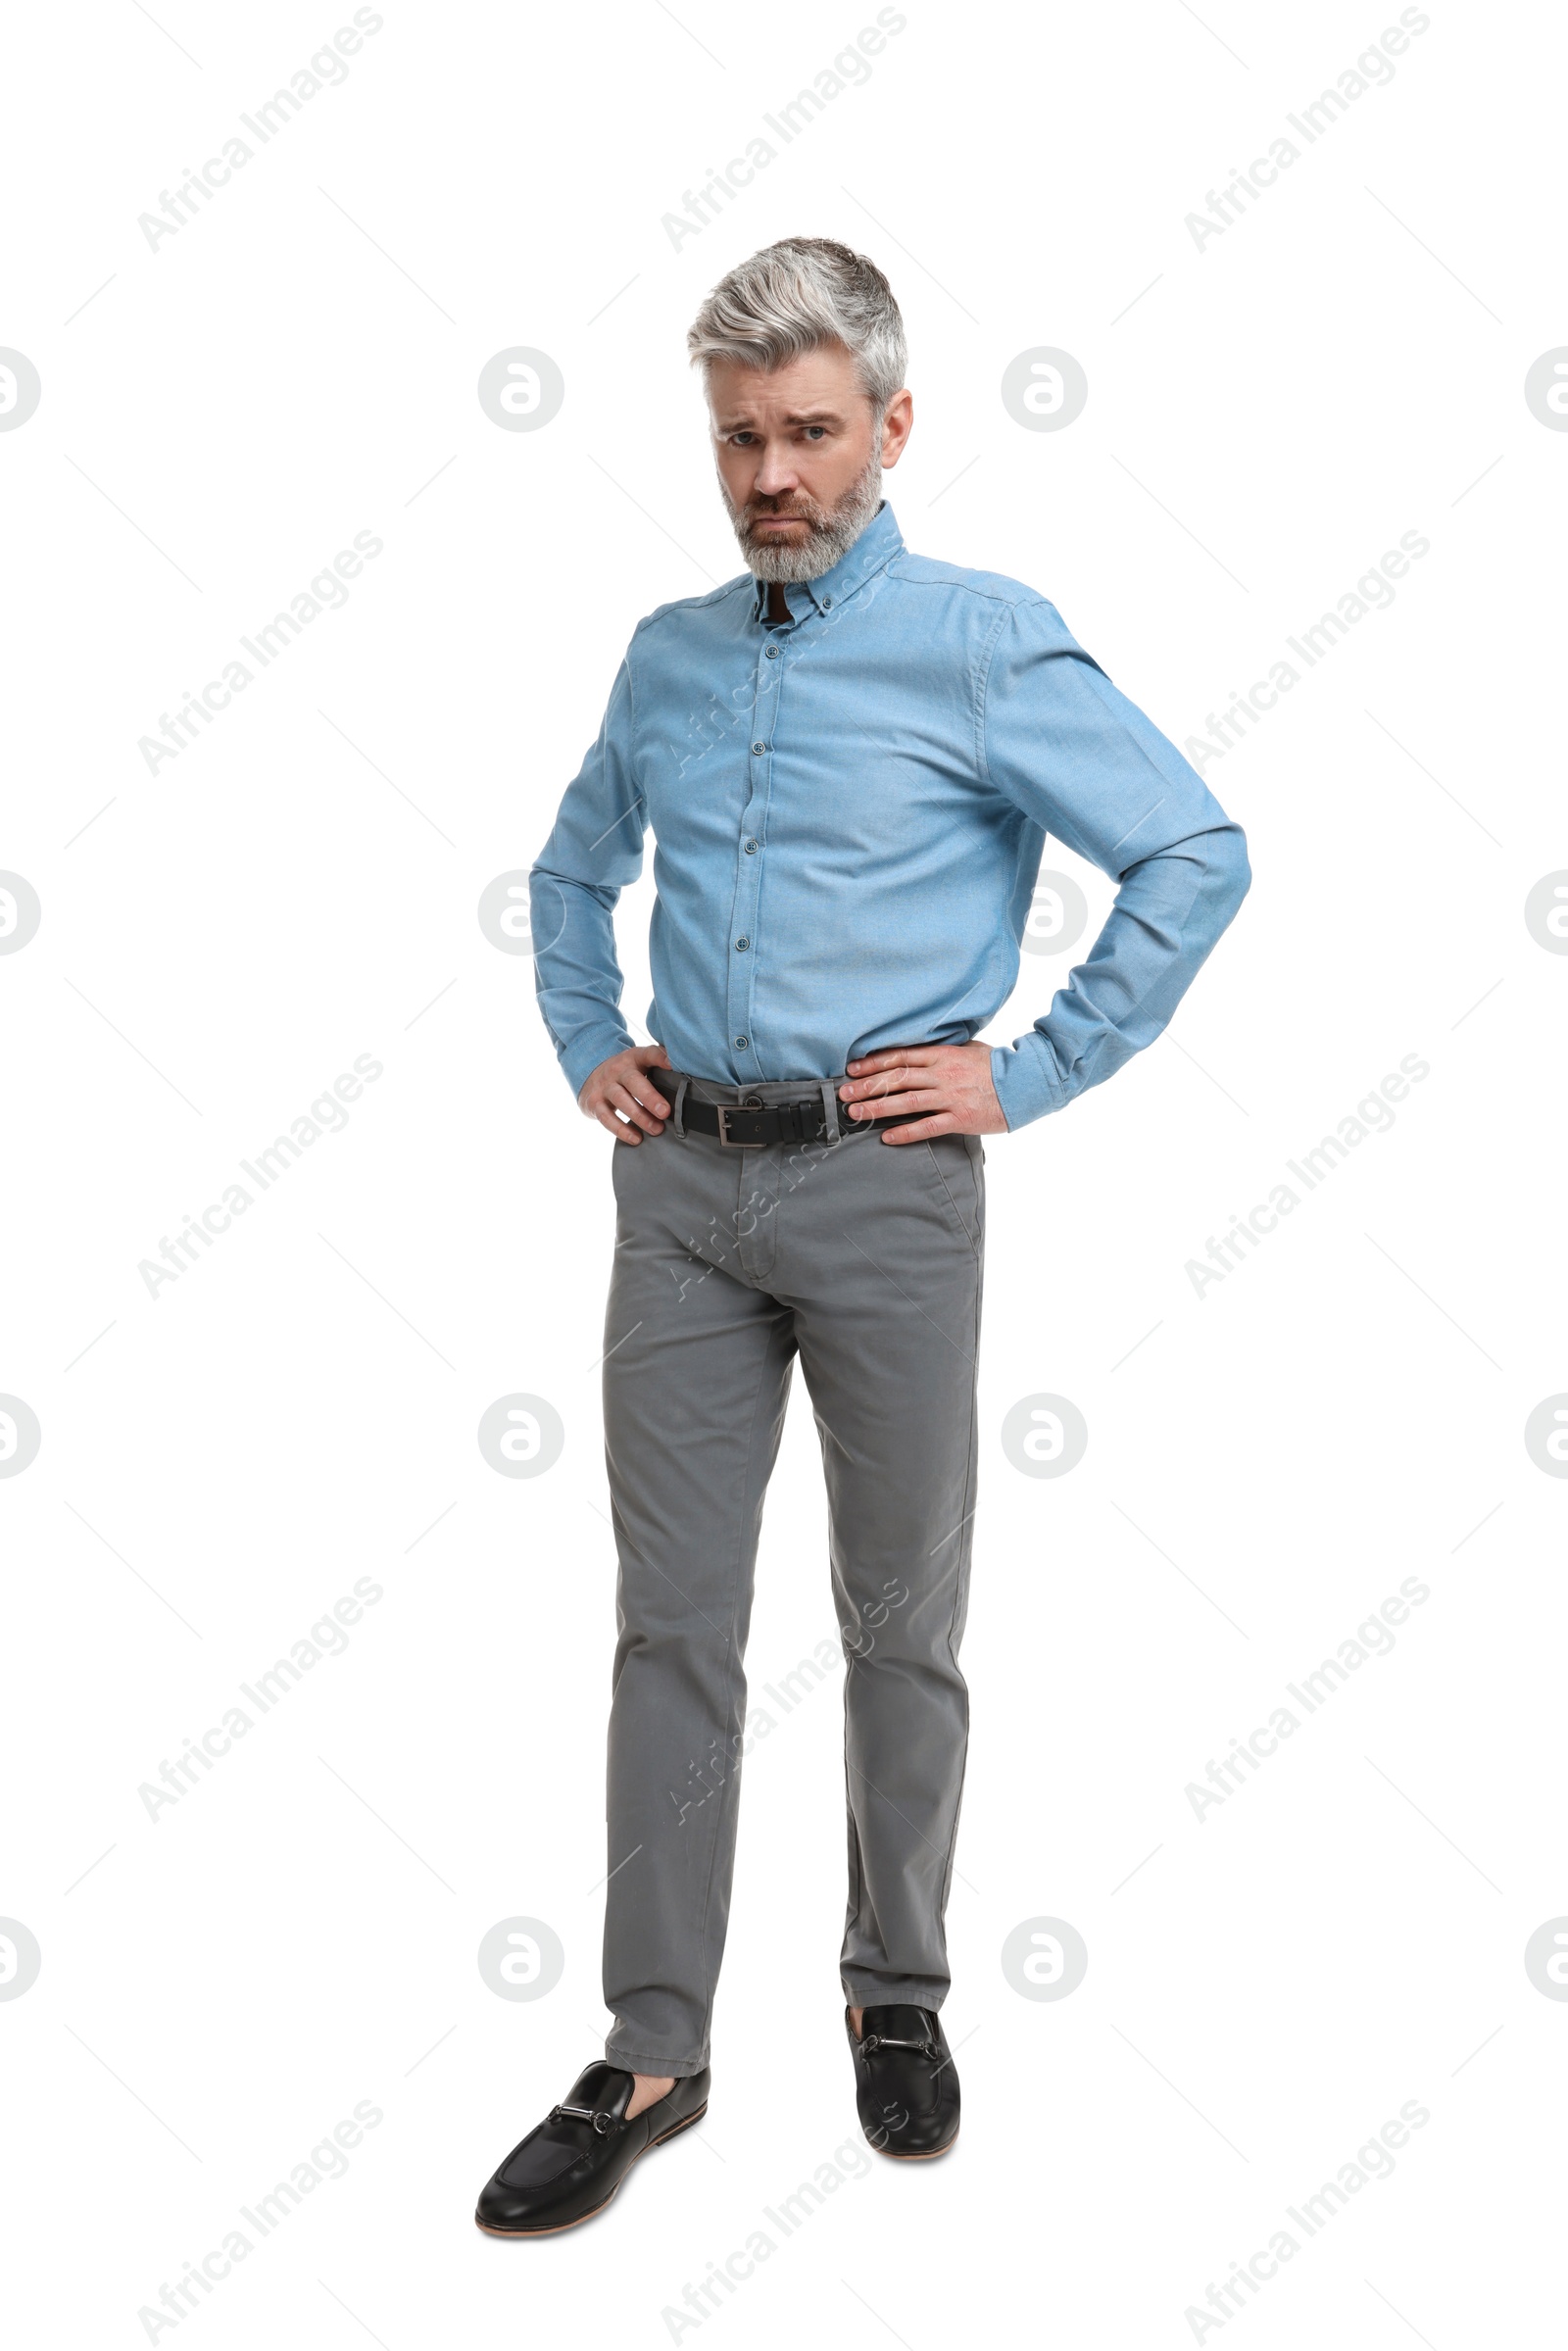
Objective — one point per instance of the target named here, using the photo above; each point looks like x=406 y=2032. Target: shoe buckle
x=885 y=2040
x=602 y=2123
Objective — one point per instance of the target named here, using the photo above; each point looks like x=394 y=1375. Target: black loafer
x=905 y=2083
x=571 y=2166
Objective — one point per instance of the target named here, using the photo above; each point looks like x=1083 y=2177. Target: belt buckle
x=723 y=1112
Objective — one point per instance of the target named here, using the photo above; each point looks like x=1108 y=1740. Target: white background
x=218 y=1464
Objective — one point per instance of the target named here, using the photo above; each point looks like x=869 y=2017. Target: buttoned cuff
x=582 y=1057
x=1027 y=1081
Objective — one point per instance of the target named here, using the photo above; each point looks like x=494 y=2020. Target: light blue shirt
x=849 y=809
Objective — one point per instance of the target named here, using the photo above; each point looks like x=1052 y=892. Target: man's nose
x=776 y=473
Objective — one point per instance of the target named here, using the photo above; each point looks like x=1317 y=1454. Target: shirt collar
x=877 y=545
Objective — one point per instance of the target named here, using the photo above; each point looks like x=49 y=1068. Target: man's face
x=800 y=452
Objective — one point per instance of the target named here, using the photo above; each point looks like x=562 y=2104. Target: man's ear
x=897 y=422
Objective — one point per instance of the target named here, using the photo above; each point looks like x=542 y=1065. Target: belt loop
x=830 y=1109
x=678 y=1116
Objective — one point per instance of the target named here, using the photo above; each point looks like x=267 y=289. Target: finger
x=897 y=1077
x=890 y=1056
x=921 y=1130
x=603 y=1110
x=654 y=1103
x=650 y=1056
x=898 y=1105
x=622 y=1097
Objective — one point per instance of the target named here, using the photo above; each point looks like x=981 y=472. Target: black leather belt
x=752 y=1123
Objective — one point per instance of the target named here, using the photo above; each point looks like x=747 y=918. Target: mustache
x=815 y=518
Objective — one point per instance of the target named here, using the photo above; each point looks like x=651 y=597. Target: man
x=850 y=757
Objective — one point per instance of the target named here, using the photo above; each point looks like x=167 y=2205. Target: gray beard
x=832 y=531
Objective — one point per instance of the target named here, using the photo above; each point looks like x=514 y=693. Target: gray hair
x=795 y=297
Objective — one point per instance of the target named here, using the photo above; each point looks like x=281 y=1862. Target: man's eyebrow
x=815 y=416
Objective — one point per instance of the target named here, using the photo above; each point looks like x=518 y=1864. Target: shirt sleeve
x=594 y=851
x=1084 y=764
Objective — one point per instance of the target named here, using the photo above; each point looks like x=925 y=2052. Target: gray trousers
x=864 y=1259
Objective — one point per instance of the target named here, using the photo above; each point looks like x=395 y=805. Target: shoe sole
x=924 y=2155
x=559 y=2227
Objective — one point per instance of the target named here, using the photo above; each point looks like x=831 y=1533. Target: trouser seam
x=735 y=1668
x=960 y=1582
x=953 y=1204
x=857 y=1865
x=643 y=2061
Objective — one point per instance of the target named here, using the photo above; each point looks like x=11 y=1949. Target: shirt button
x=772 y=653
x=757 y=749
x=750 y=849
x=827 y=603
x=741 y=944
x=743 y=1042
